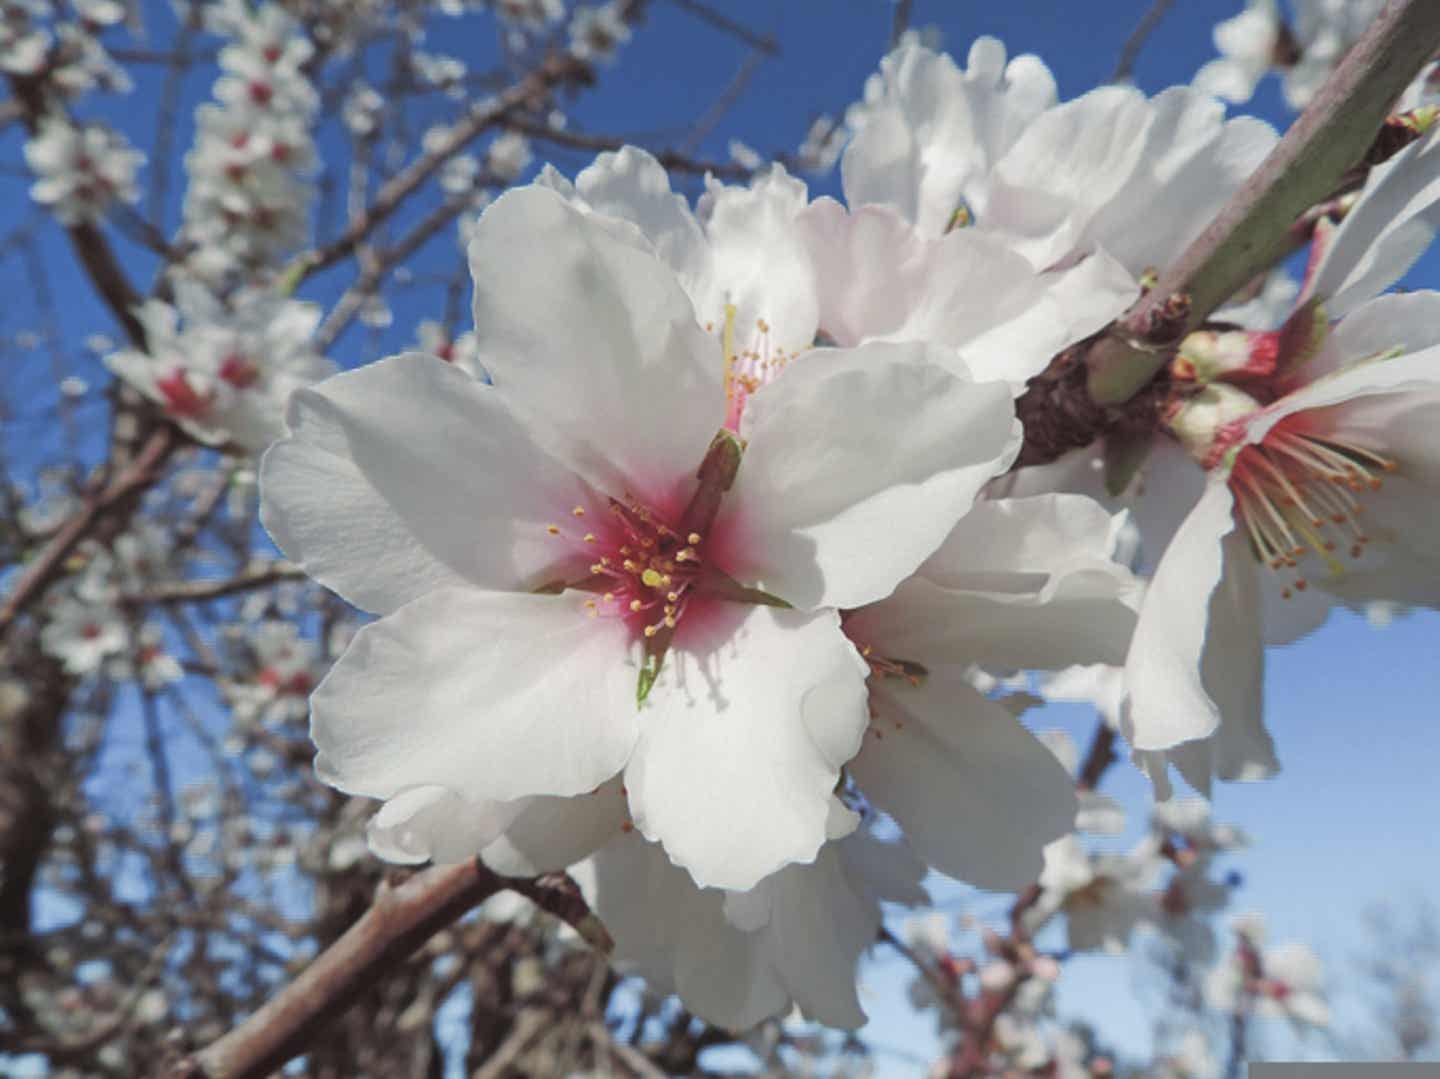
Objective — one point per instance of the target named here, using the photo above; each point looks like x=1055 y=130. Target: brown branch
x=1130 y=51
x=672 y=160
x=979 y=1016
x=529 y=92
x=117 y=497
x=900 y=21
x=705 y=13
x=196 y=591
x=399 y=921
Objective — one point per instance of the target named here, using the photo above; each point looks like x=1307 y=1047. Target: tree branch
x=400 y=920
x=118 y=495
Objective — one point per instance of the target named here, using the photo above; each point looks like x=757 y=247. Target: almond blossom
x=1284 y=981
x=1317 y=452
x=81 y=171
x=1061 y=185
x=224 y=372
x=577 y=594
x=1016 y=584
x=248 y=197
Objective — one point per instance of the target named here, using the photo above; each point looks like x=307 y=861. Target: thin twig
x=116 y=496
x=1130 y=51
x=718 y=19
x=400 y=920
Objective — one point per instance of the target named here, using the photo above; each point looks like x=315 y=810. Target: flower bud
x=1211 y=421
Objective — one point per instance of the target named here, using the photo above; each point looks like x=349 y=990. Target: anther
x=554 y=530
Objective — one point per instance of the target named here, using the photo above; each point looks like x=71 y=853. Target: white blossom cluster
x=1303 y=49
x=224 y=370
x=81 y=170
x=82 y=167
x=37 y=35
x=87 y=627
x=248 y=199
x=745 y=568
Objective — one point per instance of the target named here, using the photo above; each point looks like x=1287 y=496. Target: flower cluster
x=89 y=630
x=81 y=170
x=248 y=199
x=1303 y=50
x=699 y=562
x=224 y=370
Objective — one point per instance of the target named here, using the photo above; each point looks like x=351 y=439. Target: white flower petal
x=429 y=823
x=592 y=333
x=493 y=695
x=1390 y=226
x=630 y=184
x=881 y=280
x=742 y=742
x=976 y=793
x=930 y=137
x=1167 y=701
x=408 y=475
x=906 y=446
x=549 y=834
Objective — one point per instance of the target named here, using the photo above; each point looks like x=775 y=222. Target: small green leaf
x=649 y=671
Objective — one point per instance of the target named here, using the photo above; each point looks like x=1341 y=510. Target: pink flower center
x=1297 y=494
x=89 y=631
x=643 y=569
x=239 y=371
x=181 y=398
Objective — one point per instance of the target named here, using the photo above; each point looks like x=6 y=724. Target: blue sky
x=1352 y=817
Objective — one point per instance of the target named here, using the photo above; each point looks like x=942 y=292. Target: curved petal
x=1084 y=613
x=676 y=936
x=1068 y=164
x=881 y=280
x=494 y=695
x=1233 y=668
x=545 y=835
x=813 y=924
x=976 y=793
x=1396 y=320
x=1168 y=703
x=927 y=138
x=759 y=262
x=1192 y=161
x=408 y=475
x=631 y=185
x=1387 y=229
x=433 y=824
x=859 y=463
x=742 y=743
x=594 y=335
x=1037 y=534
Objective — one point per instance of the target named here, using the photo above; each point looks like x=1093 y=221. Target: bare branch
x=117 y=496
x=399 y=921
x=1130 y=51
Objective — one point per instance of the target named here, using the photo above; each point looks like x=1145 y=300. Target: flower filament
x=644 y=569
x=1299 y=493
